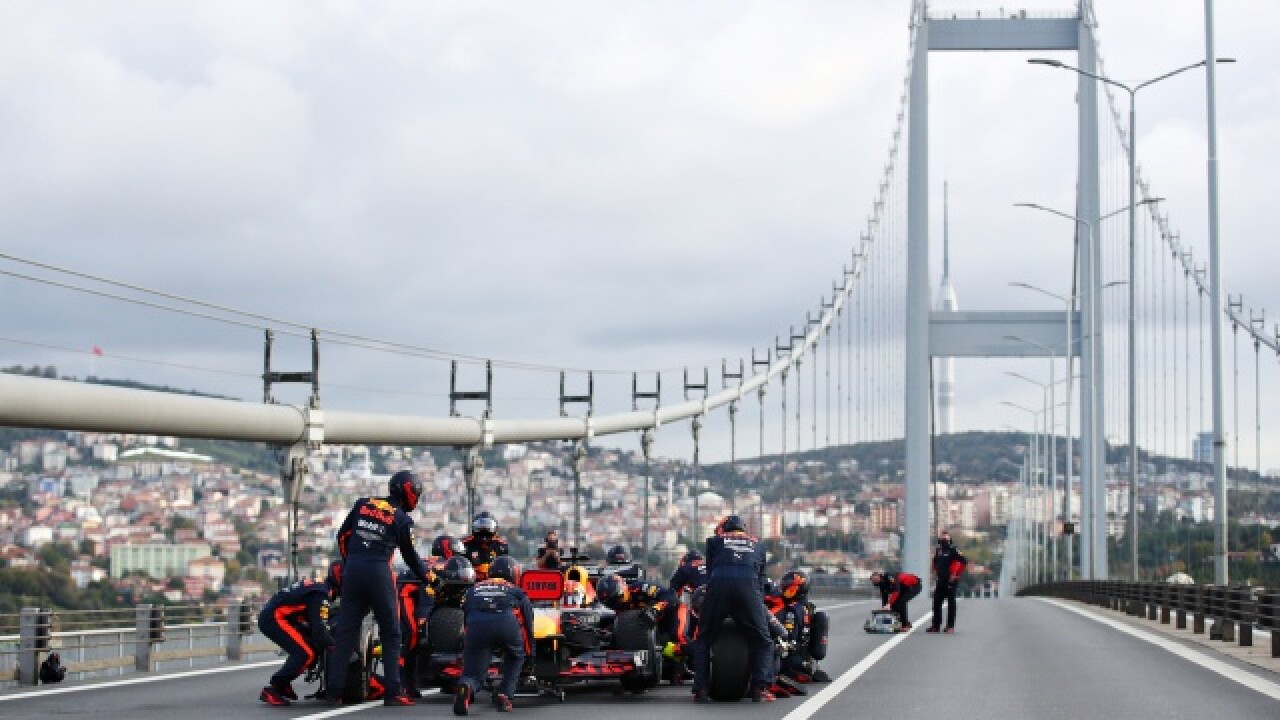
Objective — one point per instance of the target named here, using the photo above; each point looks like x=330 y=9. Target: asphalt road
x=1011 y=659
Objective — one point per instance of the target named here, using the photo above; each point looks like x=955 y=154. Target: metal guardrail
x=1234 y=611
x=97 y=643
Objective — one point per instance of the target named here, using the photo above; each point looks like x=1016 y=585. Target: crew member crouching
x=297 y=619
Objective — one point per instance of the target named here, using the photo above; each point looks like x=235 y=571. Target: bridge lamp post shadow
x=1097 y=485
x=1132 y=90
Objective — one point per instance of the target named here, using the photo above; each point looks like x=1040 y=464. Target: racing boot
x=502 y=703
x=272 y=696
x=287 y=691
x=701 y=696
x=950 y=631
x=779 y=690
x=762 y=695
x=462 y=698
x=791 y=687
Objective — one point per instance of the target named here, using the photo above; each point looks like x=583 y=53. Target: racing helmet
x=574 y=596
x=611 y=589
x=484 y=525
x=507 y=568
x=794 y=585
x=692 y=558
x=334 y=578
x=446 y=546
x=617 y=555
x=696 y=600
x=577 y=574
x=731 y=523
x=457 y=569
x=405 y=490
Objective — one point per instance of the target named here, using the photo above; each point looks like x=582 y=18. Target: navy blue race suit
x=735 y=588
x=662 y=601
x=792 y=619
x=498 y=617
x=688 y=577
x=368 y=538
x=481 y=550
x=948 y=566
x=297 y=619
x=416 y=598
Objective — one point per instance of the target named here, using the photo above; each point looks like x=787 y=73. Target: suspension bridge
x=1146 y=349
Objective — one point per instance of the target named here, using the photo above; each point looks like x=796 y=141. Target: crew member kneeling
x=498 y=617
x=297 y=619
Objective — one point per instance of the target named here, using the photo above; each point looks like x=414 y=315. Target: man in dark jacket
x=52 y=670
x=735 y=588
x=690 y=574
x=896 y=590
x=948 y=566
x=416 y=598
x=368 y=538
x=499 y=617
x=297 y=619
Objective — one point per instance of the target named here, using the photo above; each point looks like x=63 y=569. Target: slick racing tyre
x=818 y=629
x=359 y=667
x=631 y=633
x=444 y=630
x=730 y=679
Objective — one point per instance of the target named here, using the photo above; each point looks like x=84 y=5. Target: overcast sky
x=594 y=184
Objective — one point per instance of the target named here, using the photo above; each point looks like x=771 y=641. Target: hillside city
x=146 y=517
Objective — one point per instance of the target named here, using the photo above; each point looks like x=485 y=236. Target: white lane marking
x=844 y=605
x=356 y=708
x=842 y=683
x=137 y=680
x=1230 y=672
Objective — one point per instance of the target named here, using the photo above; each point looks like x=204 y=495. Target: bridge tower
x=932 y=335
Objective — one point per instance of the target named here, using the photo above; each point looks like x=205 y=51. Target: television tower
x=946 y=367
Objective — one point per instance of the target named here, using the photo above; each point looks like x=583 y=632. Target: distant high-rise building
x=945 y=368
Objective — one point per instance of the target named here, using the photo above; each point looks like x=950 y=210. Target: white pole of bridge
x=915 y=550
x=1221 y=574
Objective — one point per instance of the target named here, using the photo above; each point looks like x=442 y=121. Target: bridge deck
x=1010 y=659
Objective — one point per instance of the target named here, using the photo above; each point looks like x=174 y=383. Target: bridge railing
x=145 y=638
x=1234 y=612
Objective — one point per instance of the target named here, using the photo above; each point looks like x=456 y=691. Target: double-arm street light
x=1032 y=468
x=1132 y=90
x=1093 y=291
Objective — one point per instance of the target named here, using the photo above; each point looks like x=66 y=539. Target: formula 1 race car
x=571 y=645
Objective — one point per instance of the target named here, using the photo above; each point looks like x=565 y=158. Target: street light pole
x=1133 y=187
x=1050 y=410
x=1033 y=462
x=1221 y=574
x=1069 y=302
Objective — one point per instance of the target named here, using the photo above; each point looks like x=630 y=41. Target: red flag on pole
x=97 y=350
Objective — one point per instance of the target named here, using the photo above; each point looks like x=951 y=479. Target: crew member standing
x=297 y=619
x=368 y=538
x=735 y=588
x=416 y=598
x=948 y=566
x=498 y=617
